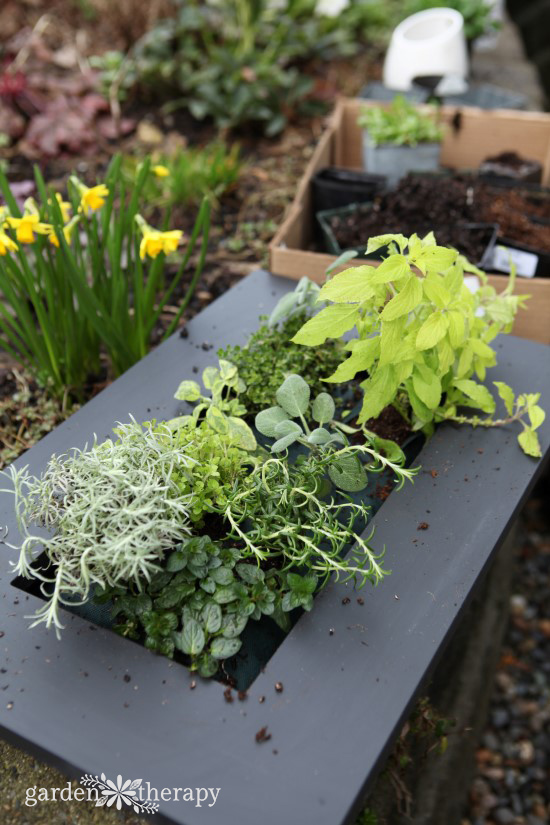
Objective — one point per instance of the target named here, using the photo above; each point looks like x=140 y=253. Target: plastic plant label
x=525 y=262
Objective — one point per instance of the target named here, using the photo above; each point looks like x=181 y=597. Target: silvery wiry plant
x=111 y=511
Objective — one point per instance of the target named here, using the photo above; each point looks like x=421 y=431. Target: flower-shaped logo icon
x=115 y=794
x=119 y=793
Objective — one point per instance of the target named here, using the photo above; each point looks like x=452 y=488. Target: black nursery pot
x=334 y=187
x=462 y=236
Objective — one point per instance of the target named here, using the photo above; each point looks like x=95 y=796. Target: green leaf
x=438 y=258
x=483 y=351
x=250 y=573
x=176 y=561
x=393 y=268
x=212 y=617
x=379 y=390
x=405 y=301
x=363 y=355
x=188 y=391
x=435 y=291
x=284 y=442
x=347 y=473
x=350 y=286
x=267 y=420
x=224 y=648
x=536 y=416
x=233 y=625
x=288 y=428
x=208 y=666
x=293 y=395
x=174 y=595
x=477 y=392
x=319 y=436
x=456 y=328
x=529 y=442
x=507 y=395
x=427 y=386
x=191 y=640
x=391 y=341
x=225 y=595
x=432 y=331
x=222 y=575
x=323 y=408
x=383 y=240
x=331 y=322
x=303 y=584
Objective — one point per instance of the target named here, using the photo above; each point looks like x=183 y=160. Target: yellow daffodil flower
x=160 y=171
x=27 y=225
x=65 y=207
x=7 y=244
x=155 y=242
x=67 y=231
x=92 y=198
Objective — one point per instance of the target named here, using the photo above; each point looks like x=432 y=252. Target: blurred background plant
x=243 y=61
x=74 y=288
x=186 y=175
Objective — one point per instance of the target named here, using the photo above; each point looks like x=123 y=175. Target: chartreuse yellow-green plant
x=423 y=337
x=84 y=276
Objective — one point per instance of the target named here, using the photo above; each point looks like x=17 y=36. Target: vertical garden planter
x=346 y=674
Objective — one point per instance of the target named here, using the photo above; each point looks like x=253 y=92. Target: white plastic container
x=430 y=42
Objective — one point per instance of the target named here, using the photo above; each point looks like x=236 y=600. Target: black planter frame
x=350 y=671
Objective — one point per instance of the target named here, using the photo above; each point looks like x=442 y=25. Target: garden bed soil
x=447 y=204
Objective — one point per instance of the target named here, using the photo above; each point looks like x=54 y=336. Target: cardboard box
x=471 y=136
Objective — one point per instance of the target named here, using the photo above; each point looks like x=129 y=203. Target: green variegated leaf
x=241 y=433
x=331 y=322
x=212 y=617
x=217 y=420
x=209 y=376
x=188 y=391
x=191 y=640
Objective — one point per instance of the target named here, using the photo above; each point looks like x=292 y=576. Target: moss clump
x=269 y=356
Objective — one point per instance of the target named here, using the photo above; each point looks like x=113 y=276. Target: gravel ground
x=512 y=786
